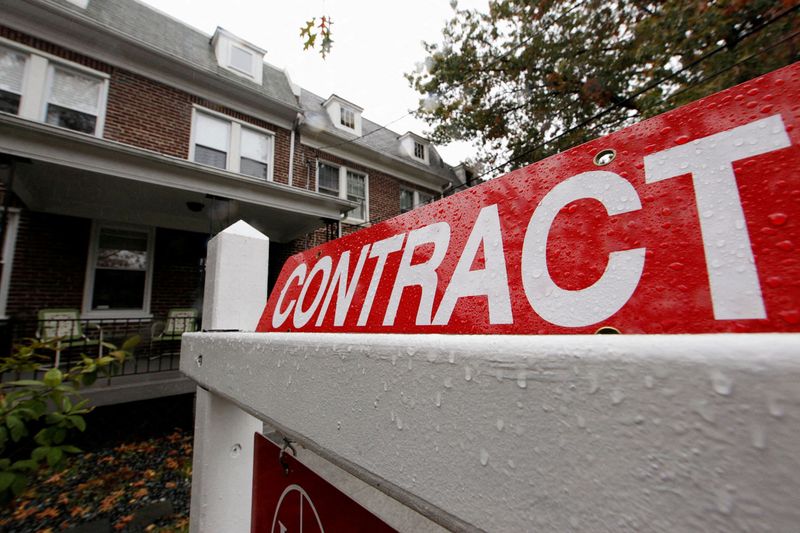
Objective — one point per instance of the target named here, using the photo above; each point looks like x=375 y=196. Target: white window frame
x=424 y=151
x=88 y=287
x=234 y=158
x=347 y=112
x=343 y=169
x=38 y=79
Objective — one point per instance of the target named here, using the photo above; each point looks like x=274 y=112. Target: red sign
x=290 y=498
x=685 y=223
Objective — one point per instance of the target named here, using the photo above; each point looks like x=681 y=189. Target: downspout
x=295 y=126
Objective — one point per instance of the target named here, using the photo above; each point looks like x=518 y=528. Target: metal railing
x=67 y=339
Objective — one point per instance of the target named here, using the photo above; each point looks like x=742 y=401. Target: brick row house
x=128 y=138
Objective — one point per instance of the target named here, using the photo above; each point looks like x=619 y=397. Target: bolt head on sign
x=688 y=222
x=296 y=500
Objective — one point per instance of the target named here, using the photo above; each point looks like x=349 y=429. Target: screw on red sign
x=685 y=223
x=290 y=498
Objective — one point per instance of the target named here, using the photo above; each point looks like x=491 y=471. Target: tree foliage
x=518 y=79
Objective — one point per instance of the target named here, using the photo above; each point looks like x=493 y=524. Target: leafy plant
x=38 y=415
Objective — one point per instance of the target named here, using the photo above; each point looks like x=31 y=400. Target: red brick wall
x=49 y=263
x=148 y=114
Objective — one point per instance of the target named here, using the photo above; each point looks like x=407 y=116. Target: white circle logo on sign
x=294 y=513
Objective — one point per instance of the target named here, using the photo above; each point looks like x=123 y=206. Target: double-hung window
x=40 y=87
x=120 y=267
x=345 y=183
x=411 y=199
x=12 y=72
x=74 y=99
x=347 y=117
x=228 y=144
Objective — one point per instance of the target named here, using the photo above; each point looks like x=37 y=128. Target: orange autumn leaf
x=63 y=499
x=171 y=463
x=22 y=512
x=78 y=511
x=139 y=483
x=141 y=493
x=170 y=484
x=48 y=512
x=150 y=474
x=123 y=522
x=108 y=502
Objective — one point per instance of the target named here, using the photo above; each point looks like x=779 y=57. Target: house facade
x=128 y=138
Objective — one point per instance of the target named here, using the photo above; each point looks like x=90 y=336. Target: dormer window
x=419 y=150
x=415 y=147
x=238 y=56
x=347 y=117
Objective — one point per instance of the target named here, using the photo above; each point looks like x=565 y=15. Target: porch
x=150 y=372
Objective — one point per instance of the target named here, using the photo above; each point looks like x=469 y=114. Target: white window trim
x=88 y=286
x=343 y=188
x=343 y=110
x=37 y=81
x=233 y=161
x=416 y=202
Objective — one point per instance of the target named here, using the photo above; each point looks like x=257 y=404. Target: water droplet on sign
x=484 y=457
x=721 y=383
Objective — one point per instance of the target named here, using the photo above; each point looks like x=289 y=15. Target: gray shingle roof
x=373 y=136
x=162 y=32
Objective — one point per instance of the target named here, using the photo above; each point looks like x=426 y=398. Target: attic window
x=419 y=150
x=347 y=117
x=241 y=60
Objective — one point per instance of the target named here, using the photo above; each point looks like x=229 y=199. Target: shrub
x=37 y=416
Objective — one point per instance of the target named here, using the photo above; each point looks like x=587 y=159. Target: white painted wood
x=550 y=433
x=9 y=249
x=235 y=292
x=236 y=279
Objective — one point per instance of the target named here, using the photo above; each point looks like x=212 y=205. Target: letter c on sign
x=279 y=317
x=608 y=294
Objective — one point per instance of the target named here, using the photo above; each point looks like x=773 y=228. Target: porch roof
x=80 y=175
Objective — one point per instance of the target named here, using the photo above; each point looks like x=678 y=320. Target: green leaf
x=131 y=343
x=68 y=448
x=25 y=464
x=54 y=456
x=27 y=383
x=6 y=479
x=43 y=437
x=53 y=377
x=40 y=453
x=59 y=434
x=78 y=422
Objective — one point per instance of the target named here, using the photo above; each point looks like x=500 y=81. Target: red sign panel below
x=690 y=224
x=299 y=501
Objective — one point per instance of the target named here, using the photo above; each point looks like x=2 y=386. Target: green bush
x=38 y=416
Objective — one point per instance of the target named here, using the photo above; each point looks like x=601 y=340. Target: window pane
x=12 y=69
x=122 y=249
x=328 y=179
x=210 y=157
x=118 y=289
x=255 y=145
x=241 y=59
x=69 y=118
x=212 y=132
x=347 y=117
x=121 y=269
x=425 y=198
x=9 y=102
x=356 y=191
x=356 y=185
x=253 y=168
x=406 y=200
x=75 y=91
x=419 y=150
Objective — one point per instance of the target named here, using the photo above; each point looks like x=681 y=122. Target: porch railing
x=157 y=351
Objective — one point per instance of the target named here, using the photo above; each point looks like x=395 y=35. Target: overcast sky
x=375 y=43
